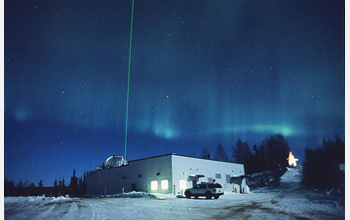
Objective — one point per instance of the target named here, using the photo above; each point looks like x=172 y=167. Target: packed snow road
x=276 y=205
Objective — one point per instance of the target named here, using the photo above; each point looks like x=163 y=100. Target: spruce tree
x=73 y=185
x=205 y=153
x=220 y=153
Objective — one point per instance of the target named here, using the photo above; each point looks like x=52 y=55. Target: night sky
x=202 y=72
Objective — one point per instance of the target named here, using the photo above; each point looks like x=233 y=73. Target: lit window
x=154 y=185
x=164 y=184
x=183 y=184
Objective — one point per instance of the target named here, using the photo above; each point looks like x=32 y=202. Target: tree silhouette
x=256 y=152
x=55 y=188
x=77 y=187
x=258 y=161
x=277 y=150
x=40 y=187
x=241 y=152
x=220 y=153
x=321 y=165
x=9 y=187
x=82 y=185
x=73 y=185
x=19 y=187
x=205 y=154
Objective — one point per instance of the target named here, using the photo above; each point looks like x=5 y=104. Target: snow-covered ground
x=286 y=202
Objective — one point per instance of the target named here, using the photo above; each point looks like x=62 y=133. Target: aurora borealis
x=202 y=72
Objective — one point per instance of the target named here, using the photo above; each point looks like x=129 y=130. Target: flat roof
x=165 y=155
x=180 y=155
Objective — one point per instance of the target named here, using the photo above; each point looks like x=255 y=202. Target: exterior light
x=292 y=161
x=164 y=184
x=154 y=185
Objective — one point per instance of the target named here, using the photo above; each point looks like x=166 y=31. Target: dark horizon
x=202 y=72
x=95 y=155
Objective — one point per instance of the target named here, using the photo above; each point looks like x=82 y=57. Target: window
x=164 y=184
x=202 y=186
x=214 y=185
x=210 y=179
x=228 y=177
x=218 y=176
x=154 y=185
x=182 y=184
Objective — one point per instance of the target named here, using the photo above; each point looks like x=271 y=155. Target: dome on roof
x=114 y=161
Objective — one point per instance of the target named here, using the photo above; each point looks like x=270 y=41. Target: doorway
x=133 y=186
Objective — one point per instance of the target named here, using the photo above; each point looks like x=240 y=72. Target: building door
x=133 y=186
x=182 y=186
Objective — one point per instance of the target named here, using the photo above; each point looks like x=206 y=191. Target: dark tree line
x=321 y=165
x=270 y=155
x=76 y=187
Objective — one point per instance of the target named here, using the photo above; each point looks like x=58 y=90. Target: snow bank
x=135 y=194
x=291 y=179
x=132 y=194
x=265 y=178
x=21 y=199
x=293 y=175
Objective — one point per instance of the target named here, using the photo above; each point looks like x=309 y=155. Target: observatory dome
x=114 y=161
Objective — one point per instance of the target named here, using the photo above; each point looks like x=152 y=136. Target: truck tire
x=208 y=195
x=216 y=197
x=188 y=195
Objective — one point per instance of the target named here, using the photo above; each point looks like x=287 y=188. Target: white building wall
x=137 y=175
x=220 y=171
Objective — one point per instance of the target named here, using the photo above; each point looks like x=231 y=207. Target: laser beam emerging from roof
x=128 y=87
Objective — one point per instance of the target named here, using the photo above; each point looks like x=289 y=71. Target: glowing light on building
x=154 y=185
x=292 y=161
x=164 y=184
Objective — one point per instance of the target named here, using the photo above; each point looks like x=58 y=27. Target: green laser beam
x=128 y=88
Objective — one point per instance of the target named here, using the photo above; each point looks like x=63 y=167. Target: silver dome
x=114 y=161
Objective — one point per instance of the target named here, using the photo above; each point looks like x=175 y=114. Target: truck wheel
x=208 y=195
x=216 y=197
x=188 y=195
